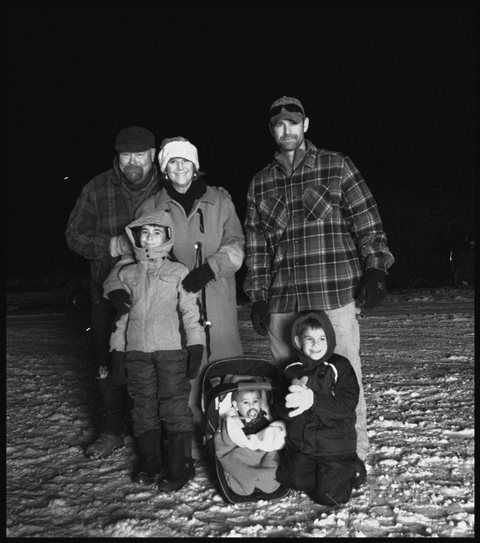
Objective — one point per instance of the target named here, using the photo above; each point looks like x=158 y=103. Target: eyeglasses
x=293 y=108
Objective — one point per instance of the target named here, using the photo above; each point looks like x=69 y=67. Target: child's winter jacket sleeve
x=188 y=306
x=336 y=392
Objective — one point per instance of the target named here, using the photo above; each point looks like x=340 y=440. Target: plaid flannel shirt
x=103 y=209
x=311 y=232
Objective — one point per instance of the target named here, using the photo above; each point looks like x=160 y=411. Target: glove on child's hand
x=121 y=300
x=195 y=353
x=300 y=397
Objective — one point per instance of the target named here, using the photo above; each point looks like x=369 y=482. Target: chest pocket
x=273 y=213
x=317 y=203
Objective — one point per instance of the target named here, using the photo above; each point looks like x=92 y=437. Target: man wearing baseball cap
x=315 y=241
x=96 y=230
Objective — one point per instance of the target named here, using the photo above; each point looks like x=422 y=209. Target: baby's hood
x=322 y=317
x=160 y=218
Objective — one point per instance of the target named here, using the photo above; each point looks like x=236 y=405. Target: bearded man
x=96 y=230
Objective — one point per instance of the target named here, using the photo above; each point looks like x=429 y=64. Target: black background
x=392 y=87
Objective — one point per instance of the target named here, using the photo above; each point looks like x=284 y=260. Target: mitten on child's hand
x=121 y=300
x=300 y=397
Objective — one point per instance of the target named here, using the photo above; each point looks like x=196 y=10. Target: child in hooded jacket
x=158 y=346
x=320 y=453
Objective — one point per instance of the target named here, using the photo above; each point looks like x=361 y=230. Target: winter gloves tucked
x=198 y=278
x=372 y=290
x=260 y=316
x=195 y=353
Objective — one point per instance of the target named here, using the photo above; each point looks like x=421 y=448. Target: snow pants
x=158 y=385
x=327 y=480
x=347 y=332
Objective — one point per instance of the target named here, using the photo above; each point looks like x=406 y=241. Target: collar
x=162 y=197
x=301 y=155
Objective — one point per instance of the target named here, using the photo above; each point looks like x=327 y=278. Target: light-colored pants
x=347 y=332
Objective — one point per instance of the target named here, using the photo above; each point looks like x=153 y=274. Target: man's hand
x=372 y=290
x=195 y=353
x=120 y=245
x=300 y=397
x=260 y=316
x=198 y=278
x=121 y=300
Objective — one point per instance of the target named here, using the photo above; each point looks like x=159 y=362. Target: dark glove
x=260 y=315
x=195 y=353
x=119 y=374
x=121 y=300
x=198 y=278
x=372 y=290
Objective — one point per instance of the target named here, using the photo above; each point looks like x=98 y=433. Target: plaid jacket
x=311 y=232
x=103 y=209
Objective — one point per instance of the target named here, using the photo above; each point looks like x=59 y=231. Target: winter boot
x=360 y=474
x=149 y=445
x=104 y=445
x=180 y=462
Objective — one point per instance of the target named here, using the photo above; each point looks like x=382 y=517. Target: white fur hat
x=178 y=147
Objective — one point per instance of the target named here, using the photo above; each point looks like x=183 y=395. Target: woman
x=202 y=215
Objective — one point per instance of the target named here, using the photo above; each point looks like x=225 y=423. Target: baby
x=248 y=442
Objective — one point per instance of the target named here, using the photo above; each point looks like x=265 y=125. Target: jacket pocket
x=317 y=203
x=273 y=213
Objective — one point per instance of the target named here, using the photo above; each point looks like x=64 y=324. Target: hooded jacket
x=328 y=427
x=212 y=221
x=154 y=283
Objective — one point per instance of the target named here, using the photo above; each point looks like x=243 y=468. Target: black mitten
x=121 y=300
x=198 y=278
x=372 y=290
x=260 y=316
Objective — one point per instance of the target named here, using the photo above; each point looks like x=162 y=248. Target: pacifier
x=252 y=413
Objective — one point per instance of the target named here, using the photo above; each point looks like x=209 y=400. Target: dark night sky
x=394 y=88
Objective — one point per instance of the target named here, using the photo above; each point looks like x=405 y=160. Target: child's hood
x=159 y=218
x=329 y=334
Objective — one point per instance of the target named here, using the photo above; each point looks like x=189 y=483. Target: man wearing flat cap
x=314 y=241
x=95 y=230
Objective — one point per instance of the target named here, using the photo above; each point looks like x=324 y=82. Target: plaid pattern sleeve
x=257 y=279
x=82 y=233
x=311 y=233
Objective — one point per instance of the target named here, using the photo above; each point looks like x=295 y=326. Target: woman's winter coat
x=213 y=222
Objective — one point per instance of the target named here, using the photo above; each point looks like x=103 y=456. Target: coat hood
x=159 y=218
x=327 y=328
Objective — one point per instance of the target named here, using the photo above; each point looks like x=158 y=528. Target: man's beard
x=133 y=173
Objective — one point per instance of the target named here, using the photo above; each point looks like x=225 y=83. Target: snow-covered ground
x=418 y=368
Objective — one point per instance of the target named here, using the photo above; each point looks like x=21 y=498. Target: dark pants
x=158 y=385
x=327 y=480
x=115 y=402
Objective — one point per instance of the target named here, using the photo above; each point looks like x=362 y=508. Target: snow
x=418 y=373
